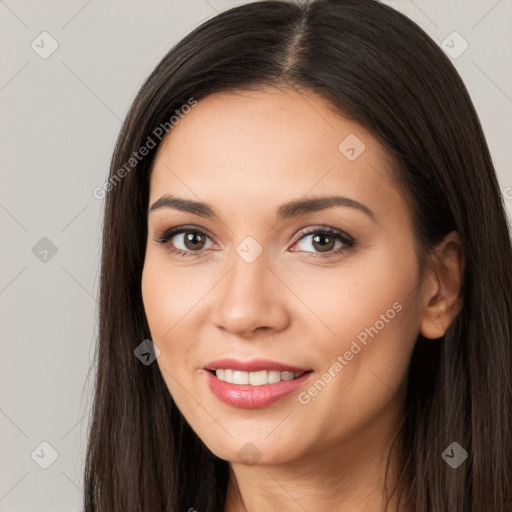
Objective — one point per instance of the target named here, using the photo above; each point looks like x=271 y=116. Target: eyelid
x=167 y=234
x=324 y=229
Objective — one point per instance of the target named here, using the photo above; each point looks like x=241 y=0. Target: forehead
x=267 y=145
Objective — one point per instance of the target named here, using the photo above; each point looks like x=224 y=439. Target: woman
x=306 y=274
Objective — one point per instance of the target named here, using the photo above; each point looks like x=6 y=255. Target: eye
x=325 y=242
x=185 y=240
x=190 y=241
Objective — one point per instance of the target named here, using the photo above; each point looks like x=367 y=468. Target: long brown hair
x=376 y=67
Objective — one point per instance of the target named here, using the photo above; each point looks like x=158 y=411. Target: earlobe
x=442 y=297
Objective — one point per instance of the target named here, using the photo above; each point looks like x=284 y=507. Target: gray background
x=60 y=117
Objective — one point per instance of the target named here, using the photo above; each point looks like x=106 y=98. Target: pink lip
x=255 y=365
x=253 y=397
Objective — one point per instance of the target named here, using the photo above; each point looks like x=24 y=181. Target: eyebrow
x=285 y=211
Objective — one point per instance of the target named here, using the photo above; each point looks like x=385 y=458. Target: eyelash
x=338 y=235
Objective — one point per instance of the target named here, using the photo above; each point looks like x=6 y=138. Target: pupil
x=192 y=238
x=324 y=247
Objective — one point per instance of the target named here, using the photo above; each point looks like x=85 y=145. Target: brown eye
x=323 y=243
x=194 y=240
x=185 y=241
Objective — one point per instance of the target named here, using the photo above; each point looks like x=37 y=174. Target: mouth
x=253 y=384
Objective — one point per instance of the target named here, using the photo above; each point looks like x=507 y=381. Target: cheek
x=174 y=303
x=167 y=294
x=364 y=372
x=172 y=295
x=167 y=301
x=378 y=291
x=367 y=319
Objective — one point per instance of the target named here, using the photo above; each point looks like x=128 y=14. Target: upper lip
x=254 y=365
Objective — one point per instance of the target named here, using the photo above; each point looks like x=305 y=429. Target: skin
x=245 y=154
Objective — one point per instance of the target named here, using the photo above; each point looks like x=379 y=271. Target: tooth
x=258 y=378
x=274 y=377
x=240 y=377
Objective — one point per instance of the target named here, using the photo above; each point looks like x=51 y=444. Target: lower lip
x=253 y=397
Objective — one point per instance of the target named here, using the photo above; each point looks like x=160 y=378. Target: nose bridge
x=248 y=279
x=249 y=296
x=249 y=269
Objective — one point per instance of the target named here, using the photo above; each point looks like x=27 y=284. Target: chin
x=253 y=451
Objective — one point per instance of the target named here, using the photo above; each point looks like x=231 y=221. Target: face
x=310 y=307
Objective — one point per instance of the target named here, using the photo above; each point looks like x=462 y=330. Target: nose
x=251 y=299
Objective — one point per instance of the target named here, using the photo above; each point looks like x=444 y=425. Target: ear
x=442 y=299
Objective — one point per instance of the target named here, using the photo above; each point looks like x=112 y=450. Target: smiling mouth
x=259 y=378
